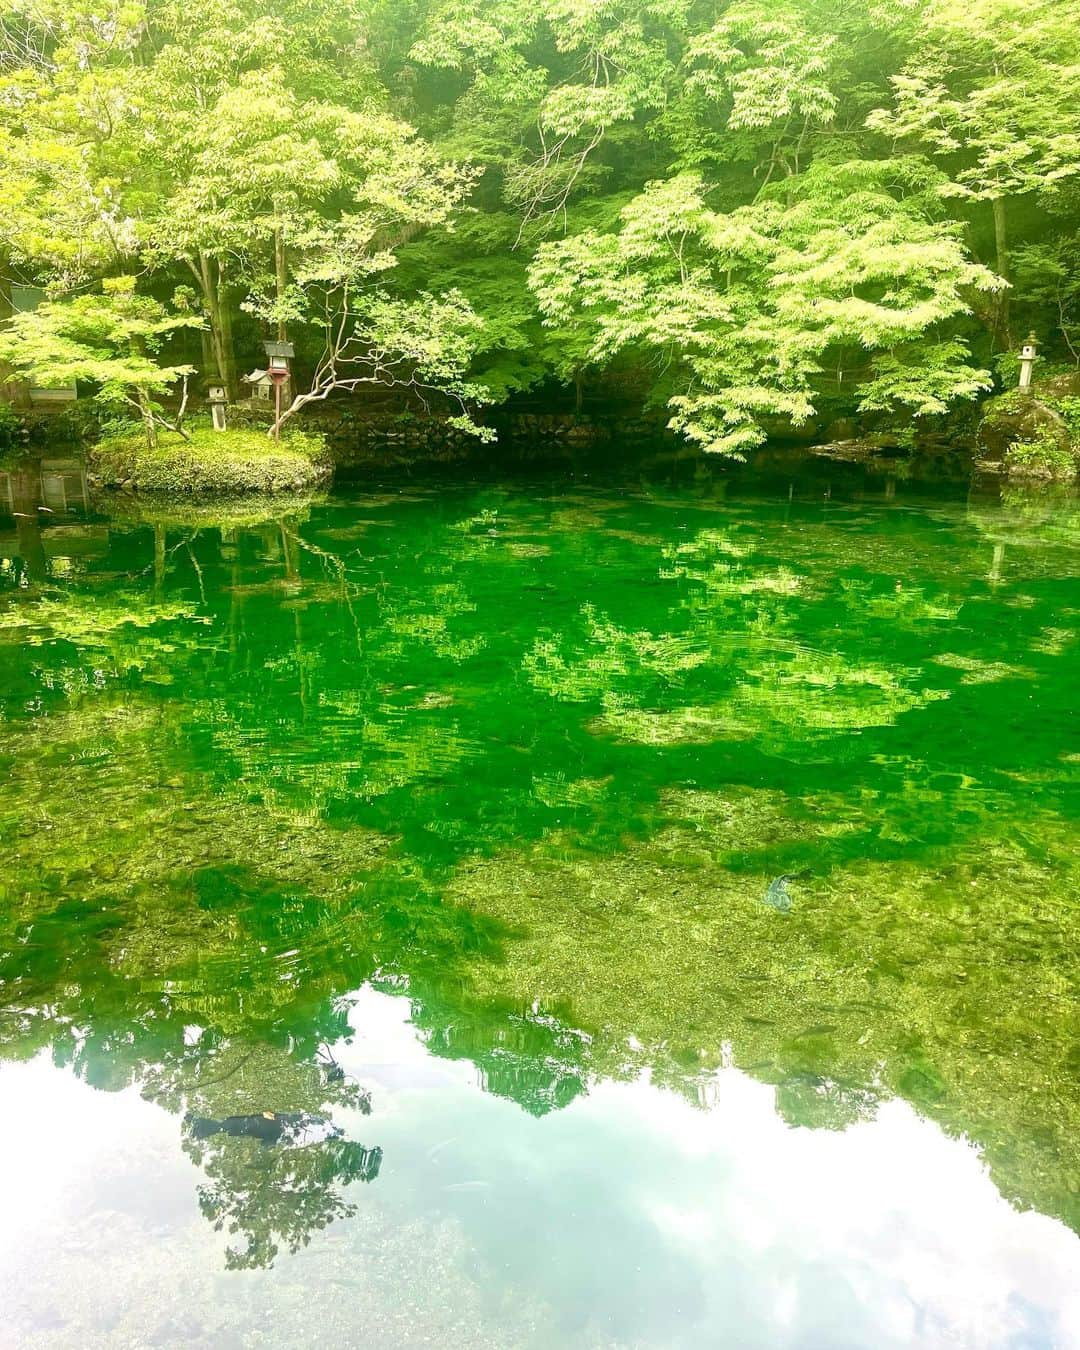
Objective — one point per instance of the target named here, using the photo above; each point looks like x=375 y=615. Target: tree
x=238 y=134
x=1047 y=275
x=224 y=141
x=425 y=346
x=990 y=94
x=321 y=169
x=109 y=339
x=740 y=312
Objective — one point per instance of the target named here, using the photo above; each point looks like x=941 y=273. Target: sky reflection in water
x=632 y=1217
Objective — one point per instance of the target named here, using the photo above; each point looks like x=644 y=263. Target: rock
x=1059 y=386
x=1017 y=417
x=862 y=449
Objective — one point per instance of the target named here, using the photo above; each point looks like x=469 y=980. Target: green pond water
x=448 y=815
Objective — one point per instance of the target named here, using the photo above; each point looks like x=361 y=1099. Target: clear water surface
x=443 y=820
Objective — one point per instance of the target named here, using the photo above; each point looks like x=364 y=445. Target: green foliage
x=748 y=211
x=990 y=91
x=1042 y=457
x=1047 y=275
x=12 y=429
x=108 y=340
x=748 y=308
x=1069 y=408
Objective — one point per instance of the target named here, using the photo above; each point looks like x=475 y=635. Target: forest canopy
x=736 y=213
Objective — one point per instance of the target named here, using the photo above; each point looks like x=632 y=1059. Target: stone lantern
x=278 y=354
x=1028 y=354
x=218 y=401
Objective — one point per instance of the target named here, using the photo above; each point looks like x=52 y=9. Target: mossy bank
x=211 y=463
x=1032 y=436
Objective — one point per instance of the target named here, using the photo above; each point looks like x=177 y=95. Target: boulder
x=862 y=449
x=1017 y=417
x=783 y=429
x=1065 y=385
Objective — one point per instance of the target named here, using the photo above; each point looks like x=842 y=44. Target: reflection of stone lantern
x=1028 y=355
x=217 y=406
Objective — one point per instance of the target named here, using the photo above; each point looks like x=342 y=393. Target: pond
x=393 y=945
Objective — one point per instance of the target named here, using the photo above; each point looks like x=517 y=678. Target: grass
x=212 y=463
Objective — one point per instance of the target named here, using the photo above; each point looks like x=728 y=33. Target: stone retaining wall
x=360 y=442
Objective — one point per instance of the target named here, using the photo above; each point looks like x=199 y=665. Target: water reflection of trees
x=264 y=1194
x=273 y=1197
x=350 y=739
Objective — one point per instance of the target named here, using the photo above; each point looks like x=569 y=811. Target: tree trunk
x=282 y=393
x=149 y=425
x=208 y=357
x=220 y=323
x=1001 y=253
x=228 y=351
x=143 y=401
x=281 y=276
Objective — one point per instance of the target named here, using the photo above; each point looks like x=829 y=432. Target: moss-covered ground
x=211 y=463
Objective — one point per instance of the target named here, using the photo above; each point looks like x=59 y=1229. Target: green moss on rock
x=212 y=463
x=1030 y=437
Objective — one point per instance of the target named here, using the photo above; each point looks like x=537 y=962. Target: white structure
x=217 y=406
x=1028 y=355
x=262 y=386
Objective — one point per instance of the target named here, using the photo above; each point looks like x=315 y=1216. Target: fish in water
x=291 y=1129
x=777 y=895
